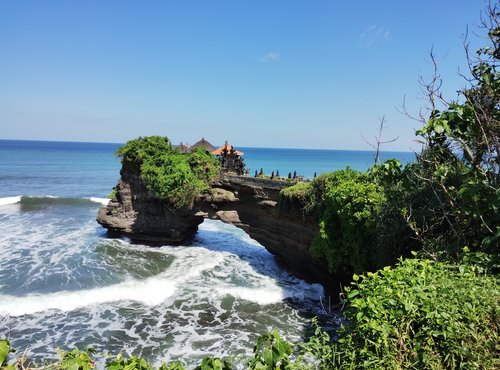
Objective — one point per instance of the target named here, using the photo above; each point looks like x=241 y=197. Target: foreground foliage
x=422 y=315
x=178 y=177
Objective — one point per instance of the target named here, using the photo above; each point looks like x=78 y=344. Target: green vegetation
x=270 y=352
x=440 y=311
x=179 y=178
x=348 y=204
x=448 y=199
x=300 y=191
x=112 y=194
x=422 y=315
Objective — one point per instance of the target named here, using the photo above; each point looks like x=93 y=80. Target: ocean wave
x=272 y=293
x=50 y=200
x=10 y=200
x=261 y=296
x=150 y=292
x=103 y=201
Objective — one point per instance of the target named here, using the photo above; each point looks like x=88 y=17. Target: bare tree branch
x=378 y=140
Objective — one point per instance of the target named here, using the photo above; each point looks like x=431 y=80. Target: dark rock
x=143 y=217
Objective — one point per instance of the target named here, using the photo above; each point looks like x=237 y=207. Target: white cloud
x=272 y=56
x=374 y=34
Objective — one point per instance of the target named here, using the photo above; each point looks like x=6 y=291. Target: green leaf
x=438 y=128
x=4 y=350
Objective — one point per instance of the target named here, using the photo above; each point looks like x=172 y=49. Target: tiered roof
x=228 y=148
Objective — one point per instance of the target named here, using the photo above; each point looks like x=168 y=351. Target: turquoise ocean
x=64 y=283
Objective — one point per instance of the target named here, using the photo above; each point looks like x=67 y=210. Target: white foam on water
x=214 y=297
x=262 y=296
x=36 y=254
x=150 y=292
x=10 y=200
x=103 y=201
x=264 y=282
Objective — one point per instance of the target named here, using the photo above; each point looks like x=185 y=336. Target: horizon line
x=242 y=146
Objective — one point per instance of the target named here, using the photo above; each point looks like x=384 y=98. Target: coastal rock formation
x=251 y=204
x=139 y=214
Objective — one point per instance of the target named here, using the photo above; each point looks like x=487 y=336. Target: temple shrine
x=231 y=160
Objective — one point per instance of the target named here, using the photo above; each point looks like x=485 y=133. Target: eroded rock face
x=137 y=213
x=251 y=204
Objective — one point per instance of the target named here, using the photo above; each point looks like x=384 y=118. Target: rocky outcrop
x=139 y=214
x=251 y=204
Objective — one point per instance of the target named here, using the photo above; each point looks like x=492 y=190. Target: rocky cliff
x=139 y=214
x=251 y=204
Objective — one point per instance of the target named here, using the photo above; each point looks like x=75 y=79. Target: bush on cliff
x=421 y=315
x=346 y=204
x=179 y=178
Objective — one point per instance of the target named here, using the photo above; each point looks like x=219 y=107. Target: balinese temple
x=185 y=148
x=202 y=144
x=231 y=160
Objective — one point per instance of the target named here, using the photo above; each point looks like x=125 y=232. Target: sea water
x=64 y=283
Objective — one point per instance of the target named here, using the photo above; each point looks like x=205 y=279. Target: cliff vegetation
x=177 y=177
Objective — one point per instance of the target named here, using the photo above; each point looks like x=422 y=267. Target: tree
x=457 y=173
x=379 y=141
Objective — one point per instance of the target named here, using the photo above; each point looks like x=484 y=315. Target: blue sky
x=264 y=73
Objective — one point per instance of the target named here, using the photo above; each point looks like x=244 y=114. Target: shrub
x=211 y=363
x=179 y=178
x=347 y=204
x=421 y=314
x=135 y=152
x=270 y=352
x=301 y=191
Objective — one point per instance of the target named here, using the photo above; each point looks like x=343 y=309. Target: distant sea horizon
x=217 y=145
x=303 y=161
